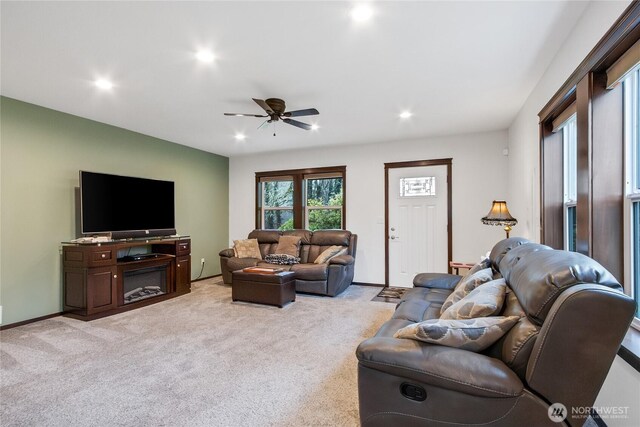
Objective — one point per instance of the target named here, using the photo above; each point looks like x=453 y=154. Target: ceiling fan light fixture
x=361 y=13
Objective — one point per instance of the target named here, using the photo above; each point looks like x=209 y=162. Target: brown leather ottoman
x=273 y=289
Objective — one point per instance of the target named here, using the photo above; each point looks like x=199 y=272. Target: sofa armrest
x=342 y=260
x=440 y=366
x=228 y=253
x=436 y=280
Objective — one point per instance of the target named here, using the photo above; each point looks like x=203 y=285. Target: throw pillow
x=483 y=301
x=468 y=334
x=247 y=248
x=289 y=245
x=281 y=259
x=340 y=252
x=327 y=254
x=466 y=285
x=480 y=265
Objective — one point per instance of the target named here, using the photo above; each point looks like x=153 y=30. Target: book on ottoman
x=262 y=270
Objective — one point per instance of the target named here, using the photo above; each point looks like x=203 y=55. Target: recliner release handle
x=413 y=392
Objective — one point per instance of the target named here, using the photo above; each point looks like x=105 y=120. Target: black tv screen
x=113 y=203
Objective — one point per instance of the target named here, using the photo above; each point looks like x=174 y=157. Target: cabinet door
x=183 y=275
x=101 y=289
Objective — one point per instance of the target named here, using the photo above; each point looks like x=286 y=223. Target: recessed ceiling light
x=103 y=84
x=205 y=56
x=240 y=136
x=314 y=126
x=361 y=13
x=405 y=114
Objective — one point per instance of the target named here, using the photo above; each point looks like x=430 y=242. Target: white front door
x=418 y=238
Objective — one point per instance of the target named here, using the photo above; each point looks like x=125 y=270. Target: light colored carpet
x=196 y=360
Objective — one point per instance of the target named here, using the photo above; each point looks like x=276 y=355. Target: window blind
x=623 y=66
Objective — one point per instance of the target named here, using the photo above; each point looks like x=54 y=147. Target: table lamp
x=499 y=215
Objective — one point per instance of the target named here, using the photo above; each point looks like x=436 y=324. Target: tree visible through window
x=324 y=203
x=277 y=197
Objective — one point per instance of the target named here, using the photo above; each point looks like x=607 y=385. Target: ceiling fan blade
x=299 y=113
x=297 y=124
x=244 y=115
x=263 y=105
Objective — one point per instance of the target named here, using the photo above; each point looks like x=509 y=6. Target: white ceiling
x=460 y=67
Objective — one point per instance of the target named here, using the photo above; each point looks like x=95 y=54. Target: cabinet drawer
x=102 y=257
x=183 y=248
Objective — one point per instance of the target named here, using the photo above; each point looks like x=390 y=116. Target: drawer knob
x=115 y=276
x=104 y=255
x=178 y=265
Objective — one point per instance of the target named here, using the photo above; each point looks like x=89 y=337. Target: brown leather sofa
x=323 y=279
x=573 y=319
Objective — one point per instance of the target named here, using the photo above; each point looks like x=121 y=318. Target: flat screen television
x=126 y=206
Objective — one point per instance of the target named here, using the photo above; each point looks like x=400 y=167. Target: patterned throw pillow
x=481 y=265
x=329 y=253
x=483 y=301
x=247 y=248
x=289 y=245
x=468 y=334
x=466 y=285
x=282 y=259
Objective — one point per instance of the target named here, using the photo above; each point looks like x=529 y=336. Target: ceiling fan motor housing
x=277 y=105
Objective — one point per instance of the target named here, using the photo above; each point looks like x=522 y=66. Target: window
x=631 y=86
x=323 y=202
x=301 y=198
x=570 y=172
x=277 y=203
x=418 y=187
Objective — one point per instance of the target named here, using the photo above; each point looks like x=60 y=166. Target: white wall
x=622 y=387
x=523 y=168
x=479 y=176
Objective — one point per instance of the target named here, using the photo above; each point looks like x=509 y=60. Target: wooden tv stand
x=94 y=276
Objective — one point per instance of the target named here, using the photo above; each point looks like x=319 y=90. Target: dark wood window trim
x=416 y=163
x=620 y=37
x=600 y=151
x=297 y=175
x=600 y=157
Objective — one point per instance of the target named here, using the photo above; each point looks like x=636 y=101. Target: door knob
x=393 y=229
x=392 y=237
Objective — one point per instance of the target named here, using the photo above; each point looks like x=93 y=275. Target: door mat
x=390 y=294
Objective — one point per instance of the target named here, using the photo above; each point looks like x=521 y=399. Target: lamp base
x=507 y=229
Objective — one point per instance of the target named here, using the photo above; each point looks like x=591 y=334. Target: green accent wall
x=41 y=154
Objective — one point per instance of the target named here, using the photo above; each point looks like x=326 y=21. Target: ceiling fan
x=275 y=109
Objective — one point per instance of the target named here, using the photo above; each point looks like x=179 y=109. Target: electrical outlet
x=201 y=261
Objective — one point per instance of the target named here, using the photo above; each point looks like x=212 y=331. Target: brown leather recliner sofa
x=323 y=279
x=573 y=319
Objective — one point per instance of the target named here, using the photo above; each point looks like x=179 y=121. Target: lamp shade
x=499 y=215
